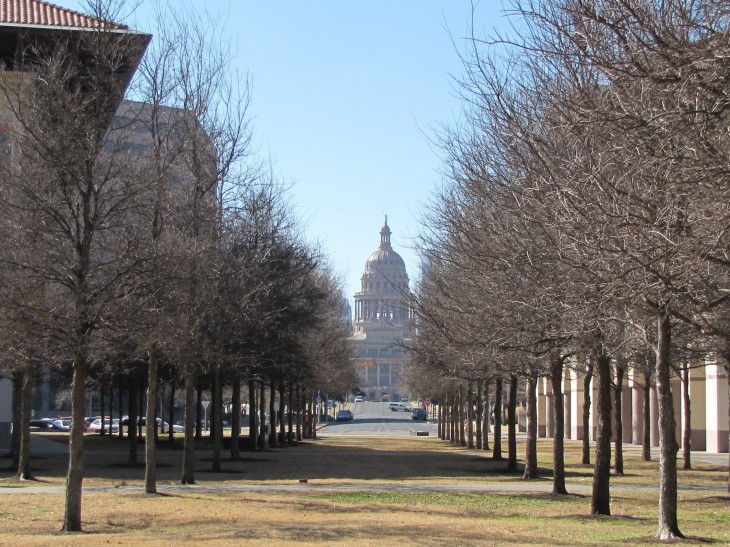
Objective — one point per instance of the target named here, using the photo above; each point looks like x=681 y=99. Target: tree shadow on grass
x=135 y=465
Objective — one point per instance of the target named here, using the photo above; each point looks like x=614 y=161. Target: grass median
x=359 y=490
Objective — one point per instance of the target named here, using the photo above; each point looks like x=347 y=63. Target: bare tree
x=73 y=195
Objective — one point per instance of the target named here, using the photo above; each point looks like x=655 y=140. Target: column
x=576 y=405
x=541 y=414
x=675 y=387
x=567 y=407
x=698 y=407
x=593 y=413
x=637 y=407
x=549 y=409
x=716 y=408
x=654 y=413
x=626 y=411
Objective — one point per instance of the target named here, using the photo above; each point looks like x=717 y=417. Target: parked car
x=95 y=426
x=163 y=425
x=61 y=425
x=405 y=400
x=42 y=424
x=344 y=416
x=176 y=428
x=395 y=407
x=359 y=399
x=419 y=414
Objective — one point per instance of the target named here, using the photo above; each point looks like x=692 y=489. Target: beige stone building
x=382 y=320
x=708 y=393
x=29 y=30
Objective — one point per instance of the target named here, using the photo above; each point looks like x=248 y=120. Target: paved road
x=375 y=419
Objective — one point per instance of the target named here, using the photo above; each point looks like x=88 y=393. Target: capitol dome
x=385 y=270
x=384 y=285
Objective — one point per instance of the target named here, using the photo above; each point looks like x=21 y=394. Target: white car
x=95 y=426
x=395 y=407
x=175 y=427
x=359 y=399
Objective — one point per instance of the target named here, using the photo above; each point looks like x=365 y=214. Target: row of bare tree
x=143 y=233
x=584 y=218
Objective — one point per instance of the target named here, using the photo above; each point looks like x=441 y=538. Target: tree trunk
x=497 y=435
x=282 y=421
x=668 y=525
x=191 y=417
x=236 y=418
x=461 y=418
x=102 y=401
x=307 y=402
x=444 y=409
x=262 y=416
x=512 y=426
x=619 y=443
x=171 y=432
x=314 y=422
x=480 y=415
x=199 y=411
x=26 y=404
x=150 y=467
x=452 y=418
x=556 y=380
x=75 y=475
x=300 y=413
x=601 y=495
x=120 y=397
x=216 y=418
x=687 y=418
x=531 y=441
x=132 y=422
x=140 y=410
x=587 y=430
x=469 y=415
x=727 y=375
x=253 y=414
x=272 y=415
x=290 y=417
x=485 y=423
x=15 y=440
x=111 y=407
x=646 y=439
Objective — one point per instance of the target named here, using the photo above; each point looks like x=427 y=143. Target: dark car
x=44 y=423
x=419 y=414
x=344 y=416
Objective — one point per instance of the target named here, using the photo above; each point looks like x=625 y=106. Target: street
x=375 y=419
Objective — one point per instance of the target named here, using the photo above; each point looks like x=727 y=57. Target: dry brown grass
x=365 y=491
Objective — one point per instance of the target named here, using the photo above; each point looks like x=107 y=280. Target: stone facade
x=708 y=395
x=382 y=320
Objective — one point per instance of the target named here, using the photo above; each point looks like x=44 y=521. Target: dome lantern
x=385 y=236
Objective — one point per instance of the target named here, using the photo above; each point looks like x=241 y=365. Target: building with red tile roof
x=35 y=13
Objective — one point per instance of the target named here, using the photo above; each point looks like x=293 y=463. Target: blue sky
x=346 y=95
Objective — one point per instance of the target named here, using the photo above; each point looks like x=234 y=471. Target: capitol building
x=381 y=322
